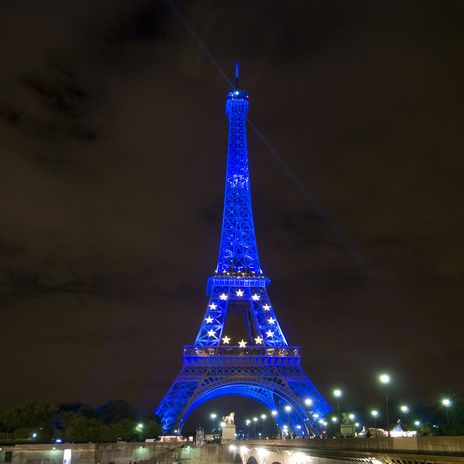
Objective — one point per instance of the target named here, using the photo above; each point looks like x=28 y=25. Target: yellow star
x=226 y=340
x=239 y=292
x=271 y=320
x=223 y=296
x=213 y=306
x=209 y=319
x=255 y=297
x=242 y=343
x=270 y=333
x=266 y=307
x=211 y=333
x=258 y=340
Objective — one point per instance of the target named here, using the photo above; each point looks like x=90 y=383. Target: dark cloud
x=112 y=154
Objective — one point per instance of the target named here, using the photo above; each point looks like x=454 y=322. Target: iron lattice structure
x=264 y=367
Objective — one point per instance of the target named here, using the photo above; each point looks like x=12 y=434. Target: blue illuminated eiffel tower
x=262 y=366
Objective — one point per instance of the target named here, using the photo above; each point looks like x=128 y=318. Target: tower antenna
x=237 y=69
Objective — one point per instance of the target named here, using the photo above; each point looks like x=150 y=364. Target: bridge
x=421 y=450
x=416 y=450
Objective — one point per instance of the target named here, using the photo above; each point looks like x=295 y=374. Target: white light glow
x=255 y=297
x=239 y=292
x=209 y=320
x=308 y=401
x=213 y=306
x=266 y=307
x=223 y=296
x=211 y=333
x=384 y=378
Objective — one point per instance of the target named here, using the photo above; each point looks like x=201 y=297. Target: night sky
x=113 y=144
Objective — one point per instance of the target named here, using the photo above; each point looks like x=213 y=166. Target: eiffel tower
x=262 y=365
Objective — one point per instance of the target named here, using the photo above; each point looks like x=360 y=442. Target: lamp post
x=274 y=415
x=255 y=420
x=338 y=394
x=263 y=418
x=308 y=403
x=288 y=409
x=248 y=422
x=446 y=402
x=213 y=416
x=385 y=379
x=375 y=414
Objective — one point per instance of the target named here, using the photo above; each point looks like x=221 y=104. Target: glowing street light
x=404 y=409
x=213 y=415
x=338 y=394
x=274 y=415
x=375 y=414
x=351 y=416
x=263 y=418
x=385 y=379
x=417 y=423
x=288 y=409
x=255 y=420
x=446 y=402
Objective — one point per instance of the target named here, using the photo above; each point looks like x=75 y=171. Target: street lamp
x=375 y=414
x=404 y=409
x=248 y=422
x=213 y=416
x=274 y=415
x=417 y=423
x=338 y=394
x=288 y=409
x=385 y=379
x=351 y=416
x=263 y=418
x=255 y=420
x=446 y=402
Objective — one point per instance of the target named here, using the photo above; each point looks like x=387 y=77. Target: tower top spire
x=236 y=81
